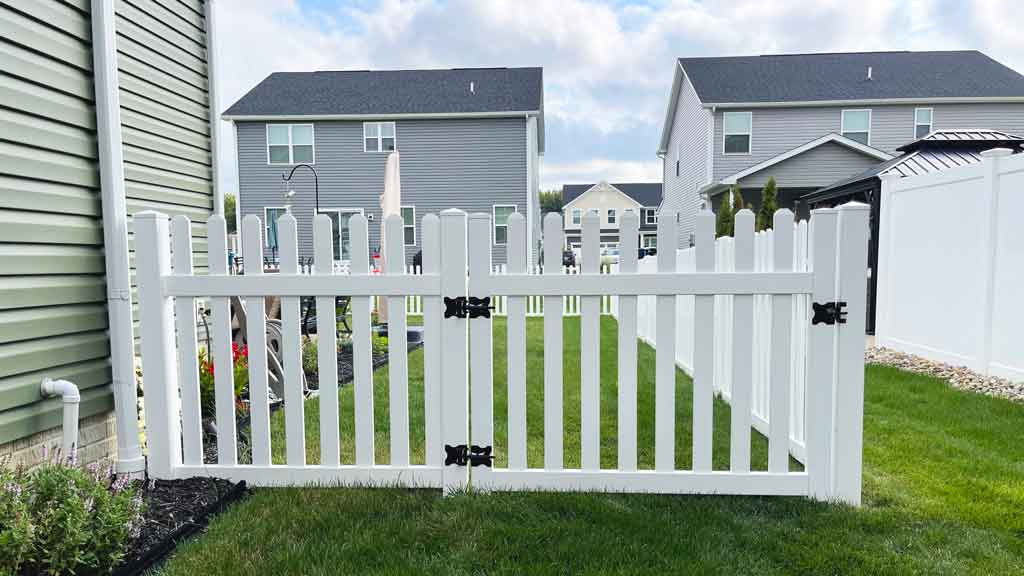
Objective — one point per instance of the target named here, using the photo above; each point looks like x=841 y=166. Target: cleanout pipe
x=71 y=398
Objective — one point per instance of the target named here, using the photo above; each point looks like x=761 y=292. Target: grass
x=943 y=487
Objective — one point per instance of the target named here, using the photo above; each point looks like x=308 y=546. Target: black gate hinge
x=829 y=313
x=461 y=306
x=461 y=455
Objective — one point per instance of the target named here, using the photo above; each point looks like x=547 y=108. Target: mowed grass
x=943 y=491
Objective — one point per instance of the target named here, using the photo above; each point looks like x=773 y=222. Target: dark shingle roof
x=645 y=193
x=843 y=76
x=394 y=92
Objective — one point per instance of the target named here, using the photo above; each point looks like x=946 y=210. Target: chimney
x=472 y=88
x=869 y=72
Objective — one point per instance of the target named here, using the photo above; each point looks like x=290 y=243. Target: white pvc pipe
x=69 y=426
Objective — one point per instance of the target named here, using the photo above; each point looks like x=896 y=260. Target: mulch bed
x=175 y=510
x=345 y=368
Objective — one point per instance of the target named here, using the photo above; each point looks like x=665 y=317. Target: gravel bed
x=958 y=376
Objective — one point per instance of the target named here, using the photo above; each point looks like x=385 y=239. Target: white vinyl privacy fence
x=458 y=285
x=951 y=265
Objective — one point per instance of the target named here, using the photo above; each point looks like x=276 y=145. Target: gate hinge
x=461 y=455
x=461 y=306
x=829 y=313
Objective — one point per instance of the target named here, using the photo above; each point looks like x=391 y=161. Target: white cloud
x=554 y=175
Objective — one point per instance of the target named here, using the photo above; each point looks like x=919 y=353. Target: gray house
x=468 y=138
x=812 y=119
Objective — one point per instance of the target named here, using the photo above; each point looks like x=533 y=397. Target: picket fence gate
x=457 y=276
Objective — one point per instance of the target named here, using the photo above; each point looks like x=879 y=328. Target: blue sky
x=607 y=63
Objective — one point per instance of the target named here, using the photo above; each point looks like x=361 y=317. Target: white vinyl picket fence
x=459 y=363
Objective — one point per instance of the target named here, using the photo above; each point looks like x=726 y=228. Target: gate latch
x=461 y=306
x=829 y=313
x=461 y=455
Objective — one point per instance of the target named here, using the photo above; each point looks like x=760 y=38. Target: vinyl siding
x=53 y=316
x=165 y=131
x=817 y=167
x=777 y=130
x=688 y=143
x=471 y=164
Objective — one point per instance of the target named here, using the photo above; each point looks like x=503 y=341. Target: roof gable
x=813 y=144
x=646 y=194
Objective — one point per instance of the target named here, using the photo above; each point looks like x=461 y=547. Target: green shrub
x=62 y=519
x=379 y=345
x=309 y=356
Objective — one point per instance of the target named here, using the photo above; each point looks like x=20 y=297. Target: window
x=378 y=136
x=270 y=216
x=611 y=215
x=501 y=214
x=290 y=144
x=856 y=125
x=650 y=241
x=341 y=230
x=736 y=130
x=922 y=122
x=577 y=216
x=409 y=225
x=650 y=216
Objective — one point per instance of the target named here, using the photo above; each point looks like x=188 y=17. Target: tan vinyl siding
x=53 y=316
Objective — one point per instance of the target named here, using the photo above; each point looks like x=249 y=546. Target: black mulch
x=175 y=510
x=345 y=368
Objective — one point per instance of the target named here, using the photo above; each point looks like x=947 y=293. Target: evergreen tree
x=737 y=200
x=769 y=204
x=550 y=201
x=724 y=218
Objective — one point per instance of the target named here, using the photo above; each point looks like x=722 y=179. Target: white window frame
x=931 y=121
x=645 y=237
x=648 y=213
x=842 y=122
x=380 y=137
x=291 y=145
x=612 y=216
x=494 y=222
x=266 y=222
x=749 y=134
x=332 y=209
x=576 y=217
x=404 y=225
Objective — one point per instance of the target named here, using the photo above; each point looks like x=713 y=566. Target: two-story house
x=611 y=201
x=812 y=119
x=468 y=139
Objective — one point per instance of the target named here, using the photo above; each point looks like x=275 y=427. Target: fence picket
x=743 y=348
x=665 y=361
x=590 y=349
x=703 y=347
x=256 y=336
x=327 y=348
x=821 y=358
x=553 y=310
x=188 y=349
x=362 y=360
x=781 y=339
x=627 y=347
x=481 y=371
x=431 y=309
x=454 y=342
x=516 y=311
x=220 y=341
x=398 y=354
x=291 y=342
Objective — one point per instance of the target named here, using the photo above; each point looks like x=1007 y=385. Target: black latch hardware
x=461 y=306
x=829 y=313
x=461 y=455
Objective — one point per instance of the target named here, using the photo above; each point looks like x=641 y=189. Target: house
x=106 y=112
x=812 y=119
x=938 y=150
x=611 y=201
x=468 y=138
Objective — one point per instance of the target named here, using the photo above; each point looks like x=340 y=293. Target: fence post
x=820 y=407
x=849 y=388
x=887 y=200
x=454 y=342
x=992 y=160
x=156 y=329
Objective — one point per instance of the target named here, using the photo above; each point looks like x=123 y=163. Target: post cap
x=996 y=153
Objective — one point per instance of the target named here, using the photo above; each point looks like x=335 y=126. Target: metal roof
x=844 y=76
x=956 y=137
x=645 y=193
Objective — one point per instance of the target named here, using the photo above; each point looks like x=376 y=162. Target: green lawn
x=943 y=486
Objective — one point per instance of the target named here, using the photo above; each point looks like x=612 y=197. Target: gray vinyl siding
x=165 y=131
x=471 y=164
x=817 y=167
x=689 y=143
x=53 y=316
x=777 y=130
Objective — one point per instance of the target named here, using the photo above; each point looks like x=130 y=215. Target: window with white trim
x=856 y=125
x=409 y=225
x=922 y=122
x=379 y=137
x=737 y=128
x=650 y=216
x=611 y=215
x=650 y=241
x=270 y=216
x=501 y=214
x=290 y=144
x=577 y=216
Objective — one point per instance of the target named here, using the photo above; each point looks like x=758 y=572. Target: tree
x=550 y=201
x=229 y=211
x=724 y=219
x=769 y=204
x=737 y=200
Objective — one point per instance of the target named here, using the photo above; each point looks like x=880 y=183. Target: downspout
x=211 y=82
x=68 y=393
x=115 y=238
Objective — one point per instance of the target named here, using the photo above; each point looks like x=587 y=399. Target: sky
x=608 y=64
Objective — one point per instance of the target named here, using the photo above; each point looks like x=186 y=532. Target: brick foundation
x=97 y=441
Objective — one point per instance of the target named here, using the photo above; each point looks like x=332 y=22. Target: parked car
x=568 y=258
